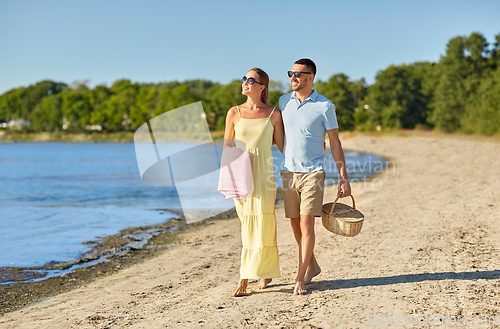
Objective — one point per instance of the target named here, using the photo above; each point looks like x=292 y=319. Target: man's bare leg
x=307 y=247
x=298 y=234
x=241 y=290
x=263 y=283
x=313 y=268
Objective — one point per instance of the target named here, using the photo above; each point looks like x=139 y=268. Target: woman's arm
x=279 y=131
x=231 y=117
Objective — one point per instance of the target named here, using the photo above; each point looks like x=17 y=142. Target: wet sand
x=429 y=245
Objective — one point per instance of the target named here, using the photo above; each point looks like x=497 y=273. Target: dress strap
x=238 y=111
x=271 y=113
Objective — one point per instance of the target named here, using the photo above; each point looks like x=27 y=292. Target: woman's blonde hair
x=264 y=80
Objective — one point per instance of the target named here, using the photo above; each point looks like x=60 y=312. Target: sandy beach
x=429 y=245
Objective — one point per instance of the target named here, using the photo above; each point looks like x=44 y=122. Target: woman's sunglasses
x=296 y=74
x=250 y=81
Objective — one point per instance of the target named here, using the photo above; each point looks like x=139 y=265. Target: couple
x=299 y=127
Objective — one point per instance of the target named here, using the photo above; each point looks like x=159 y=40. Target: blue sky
x=154 y=41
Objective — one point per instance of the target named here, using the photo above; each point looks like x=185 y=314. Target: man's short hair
x=308 y=63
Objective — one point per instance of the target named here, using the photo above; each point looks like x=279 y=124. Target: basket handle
x=335 y=202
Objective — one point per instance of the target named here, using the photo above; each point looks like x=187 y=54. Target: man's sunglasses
x=296 y=74
x=250 y=81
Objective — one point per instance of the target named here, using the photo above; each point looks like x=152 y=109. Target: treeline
x=459 y=93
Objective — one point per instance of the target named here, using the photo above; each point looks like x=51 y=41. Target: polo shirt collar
x=313 y=96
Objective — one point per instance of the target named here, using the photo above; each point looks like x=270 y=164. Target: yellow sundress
x=259 y=257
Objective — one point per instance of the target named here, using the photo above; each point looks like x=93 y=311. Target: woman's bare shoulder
x=276 y=113
x=232 y=111
x=276 y=116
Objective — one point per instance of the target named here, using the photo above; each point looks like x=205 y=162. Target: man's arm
x=338 y=156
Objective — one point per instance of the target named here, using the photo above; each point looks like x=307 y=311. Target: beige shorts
x=303 y=193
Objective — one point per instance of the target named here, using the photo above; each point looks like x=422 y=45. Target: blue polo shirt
x=306 y=124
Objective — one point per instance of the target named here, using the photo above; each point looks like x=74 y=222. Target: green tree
x=219 y=99
x=398 y=98
x=199 y=87
x=170 y=99
x=276 y=90
x=117 y=106
x=47 y=115
x=495 y=53
x=482 y=113
x=34 y=93
x=346 y=96
x=71 y=108
x=461 y=71
x=142 y=111
x=92 y=101
x=10 y=104
x=19 y=103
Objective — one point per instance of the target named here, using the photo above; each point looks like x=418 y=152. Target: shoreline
x=108 y=255
x=429 y=245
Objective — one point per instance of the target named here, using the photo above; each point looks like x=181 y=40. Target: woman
x=253 y=126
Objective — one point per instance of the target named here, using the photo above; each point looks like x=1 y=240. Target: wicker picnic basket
x=342 y=219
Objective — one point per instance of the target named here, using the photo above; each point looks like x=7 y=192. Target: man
x=307 y=118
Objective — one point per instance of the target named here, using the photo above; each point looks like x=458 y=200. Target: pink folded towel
x=235 y=177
